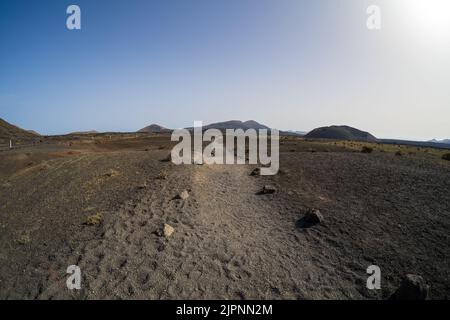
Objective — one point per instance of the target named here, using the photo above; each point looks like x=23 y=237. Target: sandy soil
x=229 y=241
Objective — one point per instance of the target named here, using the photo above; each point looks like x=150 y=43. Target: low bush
x=94 y=219
x=366 y=149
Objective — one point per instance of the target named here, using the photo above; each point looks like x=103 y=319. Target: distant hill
x=84 y=132
x=9 y=131
x=445 y=141
x=154 y=128
x=245 y=125
x=427 y=144
x=34 y=132
x=340 y=133
x=293 y=133
x=234 y=124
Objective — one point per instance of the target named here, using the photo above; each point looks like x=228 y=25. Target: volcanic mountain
x=154 y=128
x=9 y=131
x=340 y=133
x=234 y=124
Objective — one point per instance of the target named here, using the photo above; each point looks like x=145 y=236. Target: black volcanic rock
x=340 y=133
x=413 y=287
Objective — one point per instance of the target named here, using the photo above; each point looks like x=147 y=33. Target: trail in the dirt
x=229 y=243
x=262 y=256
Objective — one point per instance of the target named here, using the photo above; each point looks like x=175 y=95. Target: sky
x=289 y=64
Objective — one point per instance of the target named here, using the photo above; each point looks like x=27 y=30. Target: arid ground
x=101 y=202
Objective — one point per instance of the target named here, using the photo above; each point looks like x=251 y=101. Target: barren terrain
x=229 y=241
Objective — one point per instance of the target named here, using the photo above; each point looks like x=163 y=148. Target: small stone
x=268 y=189
x=413 y=287
x=168 y=230
x=183 y=195
x=256 y=172
x=313 y=216
x=168 y=158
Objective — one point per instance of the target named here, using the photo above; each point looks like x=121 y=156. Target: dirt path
x=229 y=243
x=260 y=256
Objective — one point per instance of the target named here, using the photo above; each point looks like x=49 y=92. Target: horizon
x=291 y=65
x=218 y=122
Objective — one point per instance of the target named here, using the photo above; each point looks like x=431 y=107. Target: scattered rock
x=183 y=195
x=168 y=230
x=413 y=287
x=168 y=158
x=94 y=219
x=256 y=172
x=268 y=189
x=311 y=218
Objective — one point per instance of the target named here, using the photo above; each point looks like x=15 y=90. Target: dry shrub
x=446 y=156
x=24 y=239
x=112 y=173
x=162 y=175
x=366 y=149
x=94 y=219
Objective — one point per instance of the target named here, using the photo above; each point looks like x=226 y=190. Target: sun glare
x=430 y=17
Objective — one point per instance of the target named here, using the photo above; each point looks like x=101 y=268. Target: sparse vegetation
x=446 y=156
x=112 y=173
x=94 y=219
x=389 y=148
x=398 y=153
x=162 y=175
x=24 y=239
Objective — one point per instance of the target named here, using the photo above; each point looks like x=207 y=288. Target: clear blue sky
x=290 y=64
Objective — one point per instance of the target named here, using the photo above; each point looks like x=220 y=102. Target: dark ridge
x=340 y=133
